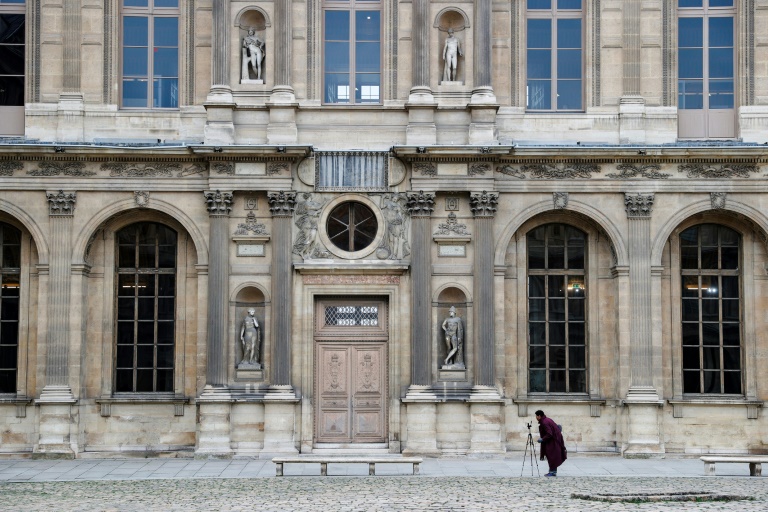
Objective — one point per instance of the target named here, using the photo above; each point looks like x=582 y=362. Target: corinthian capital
x=282 y=204
x=638 y=205
x=420 y=204
x=218 y=203
x=484 y=204
x=61 y=204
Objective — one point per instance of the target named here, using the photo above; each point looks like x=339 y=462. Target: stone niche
x=252 y=23
x=250 y=297
x=456 y=369
x=452 y=18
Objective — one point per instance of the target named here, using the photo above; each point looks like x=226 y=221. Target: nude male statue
x=250 y=338
x=451 y=52
x=454 y=339
x=253 y=54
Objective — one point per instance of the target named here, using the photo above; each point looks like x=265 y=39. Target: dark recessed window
x=352 y=226
x=10 y=249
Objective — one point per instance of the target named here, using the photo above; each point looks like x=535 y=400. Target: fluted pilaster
x=221 y=46
x=631 y=10
x=281 y=205
x=283 y=43
x=420 y=42
x=71 y=42
x=219 y=205
x=420 y=205
x=483 y=206
x=482 y=33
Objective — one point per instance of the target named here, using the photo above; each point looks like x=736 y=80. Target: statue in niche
x=454 y=341
x=451 y=53
x=250 y=341
x=396 y=246
x=253 y=55
x=308 y=243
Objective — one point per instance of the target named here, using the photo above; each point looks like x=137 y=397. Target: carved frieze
x=425 y=168
x=420 y=204
x=8 y=167
x=718 y=200
x=551 y=171
x=60 y=169
x=452 y=227
x=61 y=204
x=632 y=171
x=479 y=168
x=509 y=170
x=282 y=204
x=560 y=200
x=484 y=204
x=349 y=279
x=251 y=227
x=718 y=171
x=217 y=202
x=223 y=168
x=141 y=170
x=192 y=170
x=277 y=168
x=638 y=205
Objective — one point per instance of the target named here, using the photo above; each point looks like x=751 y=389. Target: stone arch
x=84 y=237
x=754 y=215
x=607 y=225
x=467 y=293
x=249 y=284
x=451 y=17
x=41 y=243
x=252 y=16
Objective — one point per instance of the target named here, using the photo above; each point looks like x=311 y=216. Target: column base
x=220 y=125
x=485 y=427
x=71 y=112
x=483 y=108
x=57 y=424
x=632 y=121
x=214 y=438
x=644 y=437
x=280 y=423
x=421 y=429
x=419 y=393
x=421 y=129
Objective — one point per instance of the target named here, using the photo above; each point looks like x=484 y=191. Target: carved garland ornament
x=631 y=171
x=566 y=171
x=276 y=168
x=425 y=168
x=508 y=170
x=223 y=168
x=60 y=168
x=138 y=170
x=718 y=200
x=8 y=167
x=712 y=171
x=479 y=168
x=560 y=200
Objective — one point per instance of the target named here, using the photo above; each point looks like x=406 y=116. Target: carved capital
x=420 y=204
x=638 y=205
x=218 y=203
x=61 y=204
x=282 y=204
x=484 y=204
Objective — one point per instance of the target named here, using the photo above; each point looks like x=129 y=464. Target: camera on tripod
x=528 y=425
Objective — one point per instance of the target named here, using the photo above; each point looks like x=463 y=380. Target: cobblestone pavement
x=397 y=493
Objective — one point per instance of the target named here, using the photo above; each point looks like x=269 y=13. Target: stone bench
x=755 y=463
x=324 y=461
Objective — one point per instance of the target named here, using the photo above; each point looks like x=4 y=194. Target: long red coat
x=552 y=444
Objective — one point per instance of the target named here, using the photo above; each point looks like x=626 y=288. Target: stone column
x=482 y=105
x=219 y=105
x=215 y=403
x=56 y=416
x=644 y=436
x=631 y=104
x=421 y=102
x=71 y=106
x=282 y=102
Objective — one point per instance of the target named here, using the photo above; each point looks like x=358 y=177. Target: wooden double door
x=350 y=372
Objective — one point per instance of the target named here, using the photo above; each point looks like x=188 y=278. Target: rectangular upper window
x=12 y=62
x=555 y=55
x=352 y=52
x=150 y=54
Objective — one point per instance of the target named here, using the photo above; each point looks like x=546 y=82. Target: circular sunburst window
x=352 y=226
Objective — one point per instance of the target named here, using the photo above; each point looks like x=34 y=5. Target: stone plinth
x=643 y=431
x=56 y=440
x=213 y=429
x=421 y=427
x=280 y=426
x=485 y=427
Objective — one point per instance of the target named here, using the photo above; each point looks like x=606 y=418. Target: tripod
x=532 y=453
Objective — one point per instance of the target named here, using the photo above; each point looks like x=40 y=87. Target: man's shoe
x=551 y=473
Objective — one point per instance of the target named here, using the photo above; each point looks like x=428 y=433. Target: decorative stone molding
x=194 y=169
x=452 y=238
x=251 y=227
x=484 y=204
x=251 y=237
x=9 y=166
x=452 y=204
x=451 y=227
x=478 y=168
x=218 y=203
x=420 y=204
x=425 y=168
x=631 y=171
x=638 y=205
x=715 y=171
x=560 y=200
x=141 y=170
x=227 y=168
x=277 y=168
x=718 y=200
x=142 y=198
x=508 y=170
x=566 y=171
x=282 y=204
x=326 y=279
x=61 y=204
x=60 y=169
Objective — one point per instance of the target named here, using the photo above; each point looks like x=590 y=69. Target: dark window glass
x=711 y=311
x=10 y=243
x=556 y=309
x=352 y=226
x=146 y=305
x=12 y=57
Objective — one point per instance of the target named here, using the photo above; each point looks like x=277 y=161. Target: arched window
x=146 y=303
x=711 y=313
x=10 y=245
x=556 y=310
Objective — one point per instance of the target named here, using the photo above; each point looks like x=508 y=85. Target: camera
x=528 y=425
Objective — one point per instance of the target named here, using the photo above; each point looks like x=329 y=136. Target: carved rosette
x=718 y=200
x=560 y=200
x=420 y=204
x=638 y=205
x=484 y=204
x=218 y=203
x=61 y=204
x=282 y=204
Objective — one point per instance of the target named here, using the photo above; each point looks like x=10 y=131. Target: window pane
x=166 y=32
x=536 y=310
x=539 y=94
x=11 y=91
x=166 y=62
x=124 y=356
x=11 y=60
x=556 y=286
x=690 y=333
x=711 y=358
x=709 y=310
x=135 y=93
x=556 y=310
x=9 y=333
x=536 y=257
x=576 y=356
x=135 y=31
x=710 y=333
x=136 y=3
x=731 y=334
x=721 y=32
x=721 y=63
x=539 y=64
x=11 y=259
x=730 y=287
x=557 y=356
x=575 y=310
x=732 y=383
x=166 y=285
x=539 y=4
x=692 y=382
x=144 y=380
x=577 y=381
x=569 y=33
x=165 y=356
x=167 y=3
x=711 y=382
x=720 y=3
x=731 y=310
x=709 y=258
x=164 y=380
x=556 y=333
x=569 y=94
x=135 y=62
x=145 y=356
x=336 y=57
x=337 y=25
x=557 y=381
x=538 y=356
x=576 y=333
x=166 y=93
x=691 y=63
x=556 y=258
x=368 y=57
x=537 y=333
x=569 y=4
x=367 y=26
x=690 y=310
x=536 y=286
x=165 y=332
x=729 y=258
x=731 y=358
x=568 y=66
x=166 y=256
x=124 y=381
x=12 y=28
x=690 y=94
x=537 y=380
x=539 y=34
x=690 y=33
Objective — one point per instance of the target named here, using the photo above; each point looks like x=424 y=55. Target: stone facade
x=449 y=182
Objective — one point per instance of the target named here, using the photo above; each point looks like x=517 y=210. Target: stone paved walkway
x=446 y=484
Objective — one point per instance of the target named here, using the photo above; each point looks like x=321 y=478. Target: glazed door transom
x=351 y=372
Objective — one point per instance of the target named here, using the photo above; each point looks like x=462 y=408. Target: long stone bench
x=755 y=463
x=324 y=461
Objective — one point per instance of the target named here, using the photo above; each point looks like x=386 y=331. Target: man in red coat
x=552 y=444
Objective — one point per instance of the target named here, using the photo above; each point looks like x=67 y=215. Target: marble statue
x=253 y=55
x=451 y=53
x=250 y=340
x=454 y=340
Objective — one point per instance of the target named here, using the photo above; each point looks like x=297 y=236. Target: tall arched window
x=711 y=313
x=10 y=245
x=146 y=303
x=556 y=310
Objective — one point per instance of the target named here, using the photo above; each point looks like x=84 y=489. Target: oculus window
x=146 y=306
x=12 y=64
x=352 y=226
x=352 y=51
x=150 y=54
x=554 y=34
x=711 y=309
x=557 y=354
